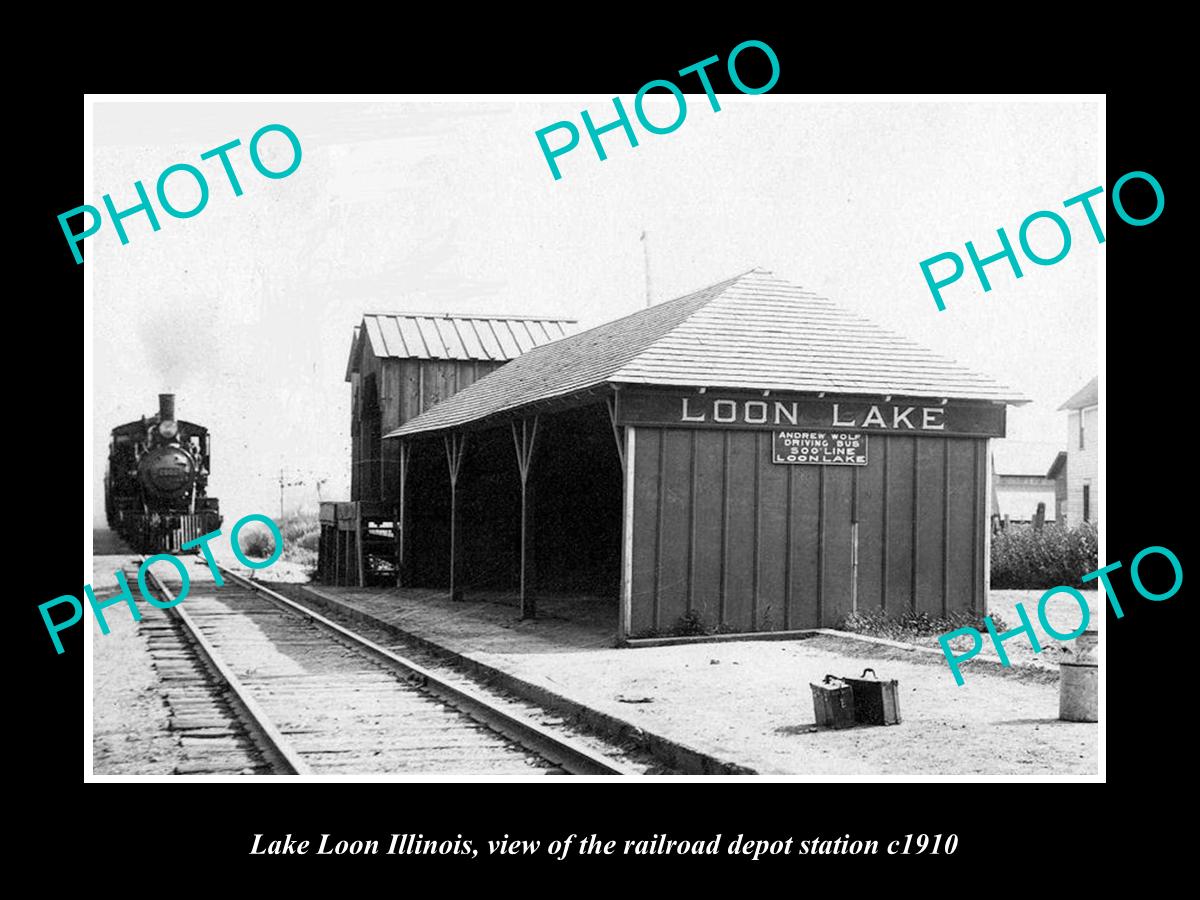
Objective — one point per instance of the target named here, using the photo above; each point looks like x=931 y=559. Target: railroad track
x=314 y=697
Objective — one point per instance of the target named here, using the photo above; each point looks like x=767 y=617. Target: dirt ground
x=129 y=717
x=1062 y=612
x=750 y=702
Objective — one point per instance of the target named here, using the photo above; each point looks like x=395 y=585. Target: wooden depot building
x=400 y=365
x=749 y=457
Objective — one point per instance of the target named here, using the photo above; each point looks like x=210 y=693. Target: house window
x=1081 y=429
x=1087 y=503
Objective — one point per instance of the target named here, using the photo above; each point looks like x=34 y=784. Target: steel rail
x=564 y=752
x=278 y=750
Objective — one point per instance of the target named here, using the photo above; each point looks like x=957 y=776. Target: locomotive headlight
x=169 y=429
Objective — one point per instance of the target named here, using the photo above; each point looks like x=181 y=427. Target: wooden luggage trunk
x=833 y=703
x=876 y=701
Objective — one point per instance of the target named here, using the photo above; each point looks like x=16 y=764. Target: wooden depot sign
x=821 y=448
x=677 y=409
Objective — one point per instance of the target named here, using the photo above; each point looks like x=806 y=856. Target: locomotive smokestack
x=166 y=407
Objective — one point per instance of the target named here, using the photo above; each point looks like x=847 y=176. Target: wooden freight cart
x=359 y=543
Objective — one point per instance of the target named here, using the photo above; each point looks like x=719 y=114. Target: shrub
x=309 y=541
x=297 y=525
x=1023 y=557
x=690 y=623
x=301 y=535
x=257 y=541
x=909 y=625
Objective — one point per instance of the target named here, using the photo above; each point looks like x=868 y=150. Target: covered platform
x=490 y=621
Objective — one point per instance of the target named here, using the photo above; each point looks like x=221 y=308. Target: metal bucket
x=1078 y=690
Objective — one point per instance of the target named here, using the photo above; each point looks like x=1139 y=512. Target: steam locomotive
x=155 y=484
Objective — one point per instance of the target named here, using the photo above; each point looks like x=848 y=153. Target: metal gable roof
x=453 y=336
x=1013 y=457
x=752 y=331
x=1088 y=395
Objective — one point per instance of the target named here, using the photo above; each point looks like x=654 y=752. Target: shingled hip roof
x=752 y=331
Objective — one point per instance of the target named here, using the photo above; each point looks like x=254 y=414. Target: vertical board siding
x=691 y=524
x=464 y=374
x=961 y=557
x=739 y=541
x=673 y=538
x=803 y=564
x=836 y=537
x=430 y=385
x=390 y=418
x=407 y=388
x=931 y=526
x=747 y=545
x=645 y=530
x=900 y=513
x=872 y=507
x=447 y=379
x=707 y=527
x=983 y=526
x=410 y=387
x=771 y=601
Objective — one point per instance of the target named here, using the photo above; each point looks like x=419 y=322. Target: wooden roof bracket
x=612 y=404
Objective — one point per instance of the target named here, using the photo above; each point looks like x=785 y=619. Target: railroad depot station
x=749 y=457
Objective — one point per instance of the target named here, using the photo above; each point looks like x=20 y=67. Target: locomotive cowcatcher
x=155 y=486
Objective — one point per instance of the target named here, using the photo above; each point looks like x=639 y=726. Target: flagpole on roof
x=646 y=248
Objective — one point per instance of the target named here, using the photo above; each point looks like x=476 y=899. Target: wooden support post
x=612 y=403
x=523 y=441
x=402 y=531
x=330 y=570
x=455 y=444
x=358 y=544
x=990 y=475
x=527 y=535
x=322 y=556
x=625 y=602
x=854 y=504
x=337 y=552
x=624 y=439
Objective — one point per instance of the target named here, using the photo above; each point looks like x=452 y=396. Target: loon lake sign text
x=941 y=418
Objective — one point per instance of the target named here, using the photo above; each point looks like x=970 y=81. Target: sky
x=246 y=310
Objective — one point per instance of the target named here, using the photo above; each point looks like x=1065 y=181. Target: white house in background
x=1021 y=480
x=1083 y=438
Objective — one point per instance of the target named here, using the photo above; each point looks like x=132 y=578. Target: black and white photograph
x=677 y=436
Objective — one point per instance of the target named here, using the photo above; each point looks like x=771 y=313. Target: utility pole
x=282 y=485
x=646 y=249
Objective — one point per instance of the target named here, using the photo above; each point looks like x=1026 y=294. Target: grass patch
x=1024 y=558
x=301 y=537
x=909 y=625
x=693 y=624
